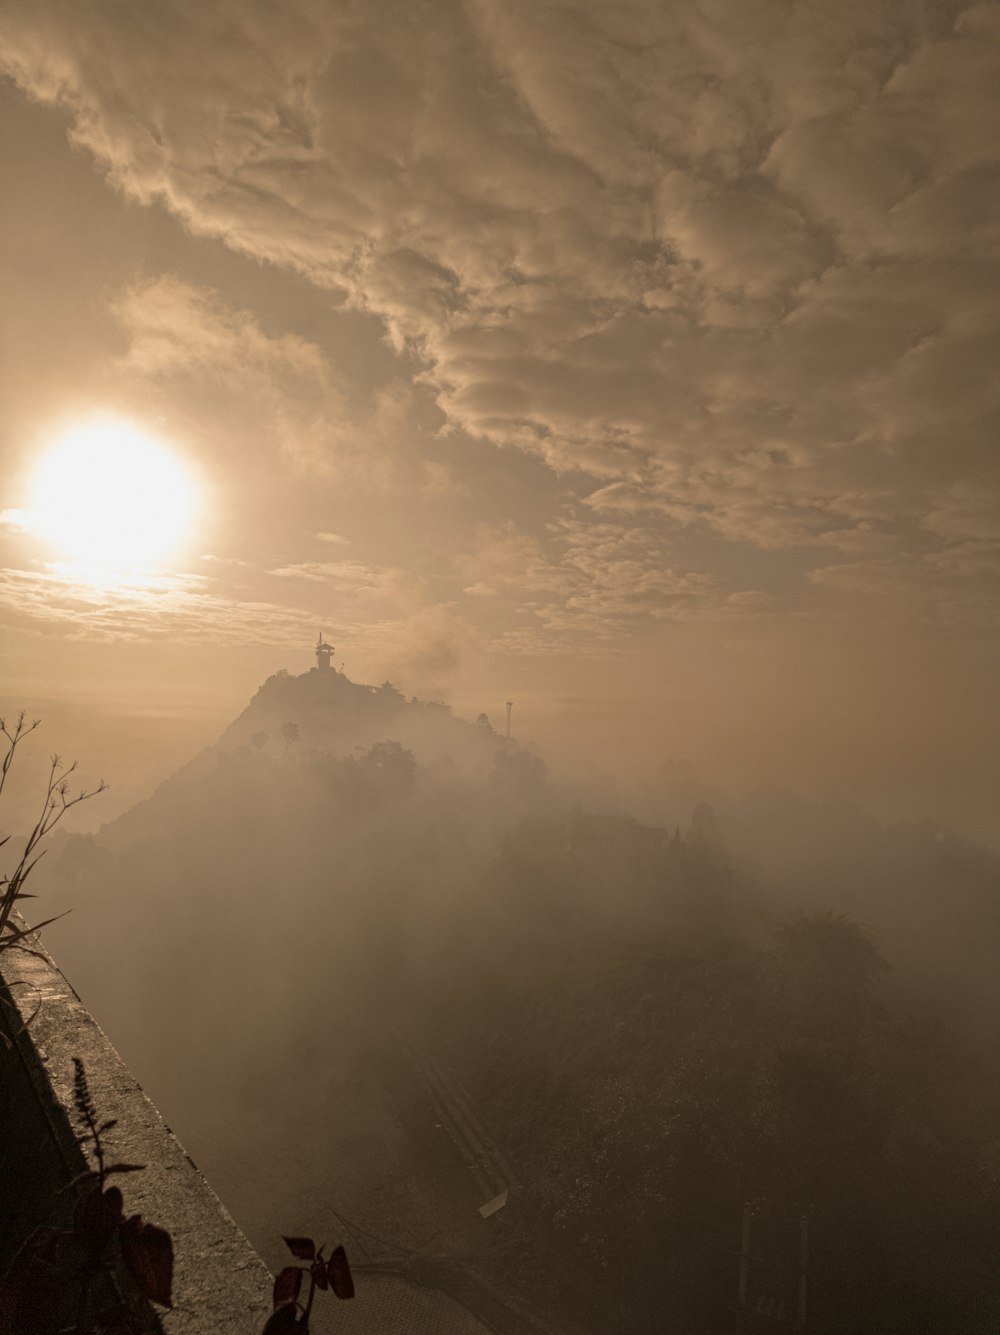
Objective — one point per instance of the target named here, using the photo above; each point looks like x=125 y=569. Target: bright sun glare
x=108 y=494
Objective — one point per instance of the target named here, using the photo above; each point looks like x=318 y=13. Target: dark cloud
x=735 y=262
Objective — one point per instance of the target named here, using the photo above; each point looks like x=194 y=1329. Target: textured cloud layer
x=735 y=262
x=175 y=607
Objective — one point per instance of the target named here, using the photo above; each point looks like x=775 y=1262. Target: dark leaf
x=303 y=1248
x=340 y=1274
x=284 y=1322
x=318 y=1272
x=97 y=1215
x=148 y=1252
x=120 y=1320
x=106 y=1126
x=124 y=1168
x=36 y=954
x=16 y=935
x=287 y=1285
x=89 y=1217
x=31 y=1290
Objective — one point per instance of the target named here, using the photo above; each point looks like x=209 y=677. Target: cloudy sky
x=637 y=361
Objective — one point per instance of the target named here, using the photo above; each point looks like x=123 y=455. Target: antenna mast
x=510 y=706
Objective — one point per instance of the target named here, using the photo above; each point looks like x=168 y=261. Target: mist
x=642 y=984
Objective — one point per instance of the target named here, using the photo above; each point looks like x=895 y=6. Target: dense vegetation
x=650 y=1090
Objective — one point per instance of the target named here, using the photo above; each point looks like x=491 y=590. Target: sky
x=636 y=362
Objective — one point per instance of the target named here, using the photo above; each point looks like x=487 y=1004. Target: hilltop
x=319 y=712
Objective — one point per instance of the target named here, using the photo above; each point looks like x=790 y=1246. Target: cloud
x=355 y=589
x=729 y=267
x=376 y=611
x=178 y=607
x=18 y=520
x=353 y=574
x=595 y=584
x=426 y=652
x=263 y=402
x=263 y=393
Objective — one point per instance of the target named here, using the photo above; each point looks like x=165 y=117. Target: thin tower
x=510 y=706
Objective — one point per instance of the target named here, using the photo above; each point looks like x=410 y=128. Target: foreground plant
x=60 y=1281
x=56 y=802
x=290 y=1317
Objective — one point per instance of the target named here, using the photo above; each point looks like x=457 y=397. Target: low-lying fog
x=359 y=929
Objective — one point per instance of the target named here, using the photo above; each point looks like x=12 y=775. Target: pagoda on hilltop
x=324 y=652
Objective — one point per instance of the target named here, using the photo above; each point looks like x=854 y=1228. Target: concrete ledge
x=221 y=1286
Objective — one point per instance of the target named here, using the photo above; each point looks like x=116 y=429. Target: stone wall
x=221 y=1286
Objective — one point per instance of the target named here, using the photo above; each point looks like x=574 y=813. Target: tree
x=830 y=965
x=392 y=762
x=290 y=732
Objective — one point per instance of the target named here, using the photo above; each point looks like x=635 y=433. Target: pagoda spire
x=324 y=652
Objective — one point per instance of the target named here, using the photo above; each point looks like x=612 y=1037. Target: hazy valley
x=656 y=1004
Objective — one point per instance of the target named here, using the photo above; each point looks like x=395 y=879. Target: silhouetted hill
x=320 y=711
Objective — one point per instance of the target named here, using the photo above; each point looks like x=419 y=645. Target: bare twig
x=55 y=803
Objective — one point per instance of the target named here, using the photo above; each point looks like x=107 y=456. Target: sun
x=108 y=494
